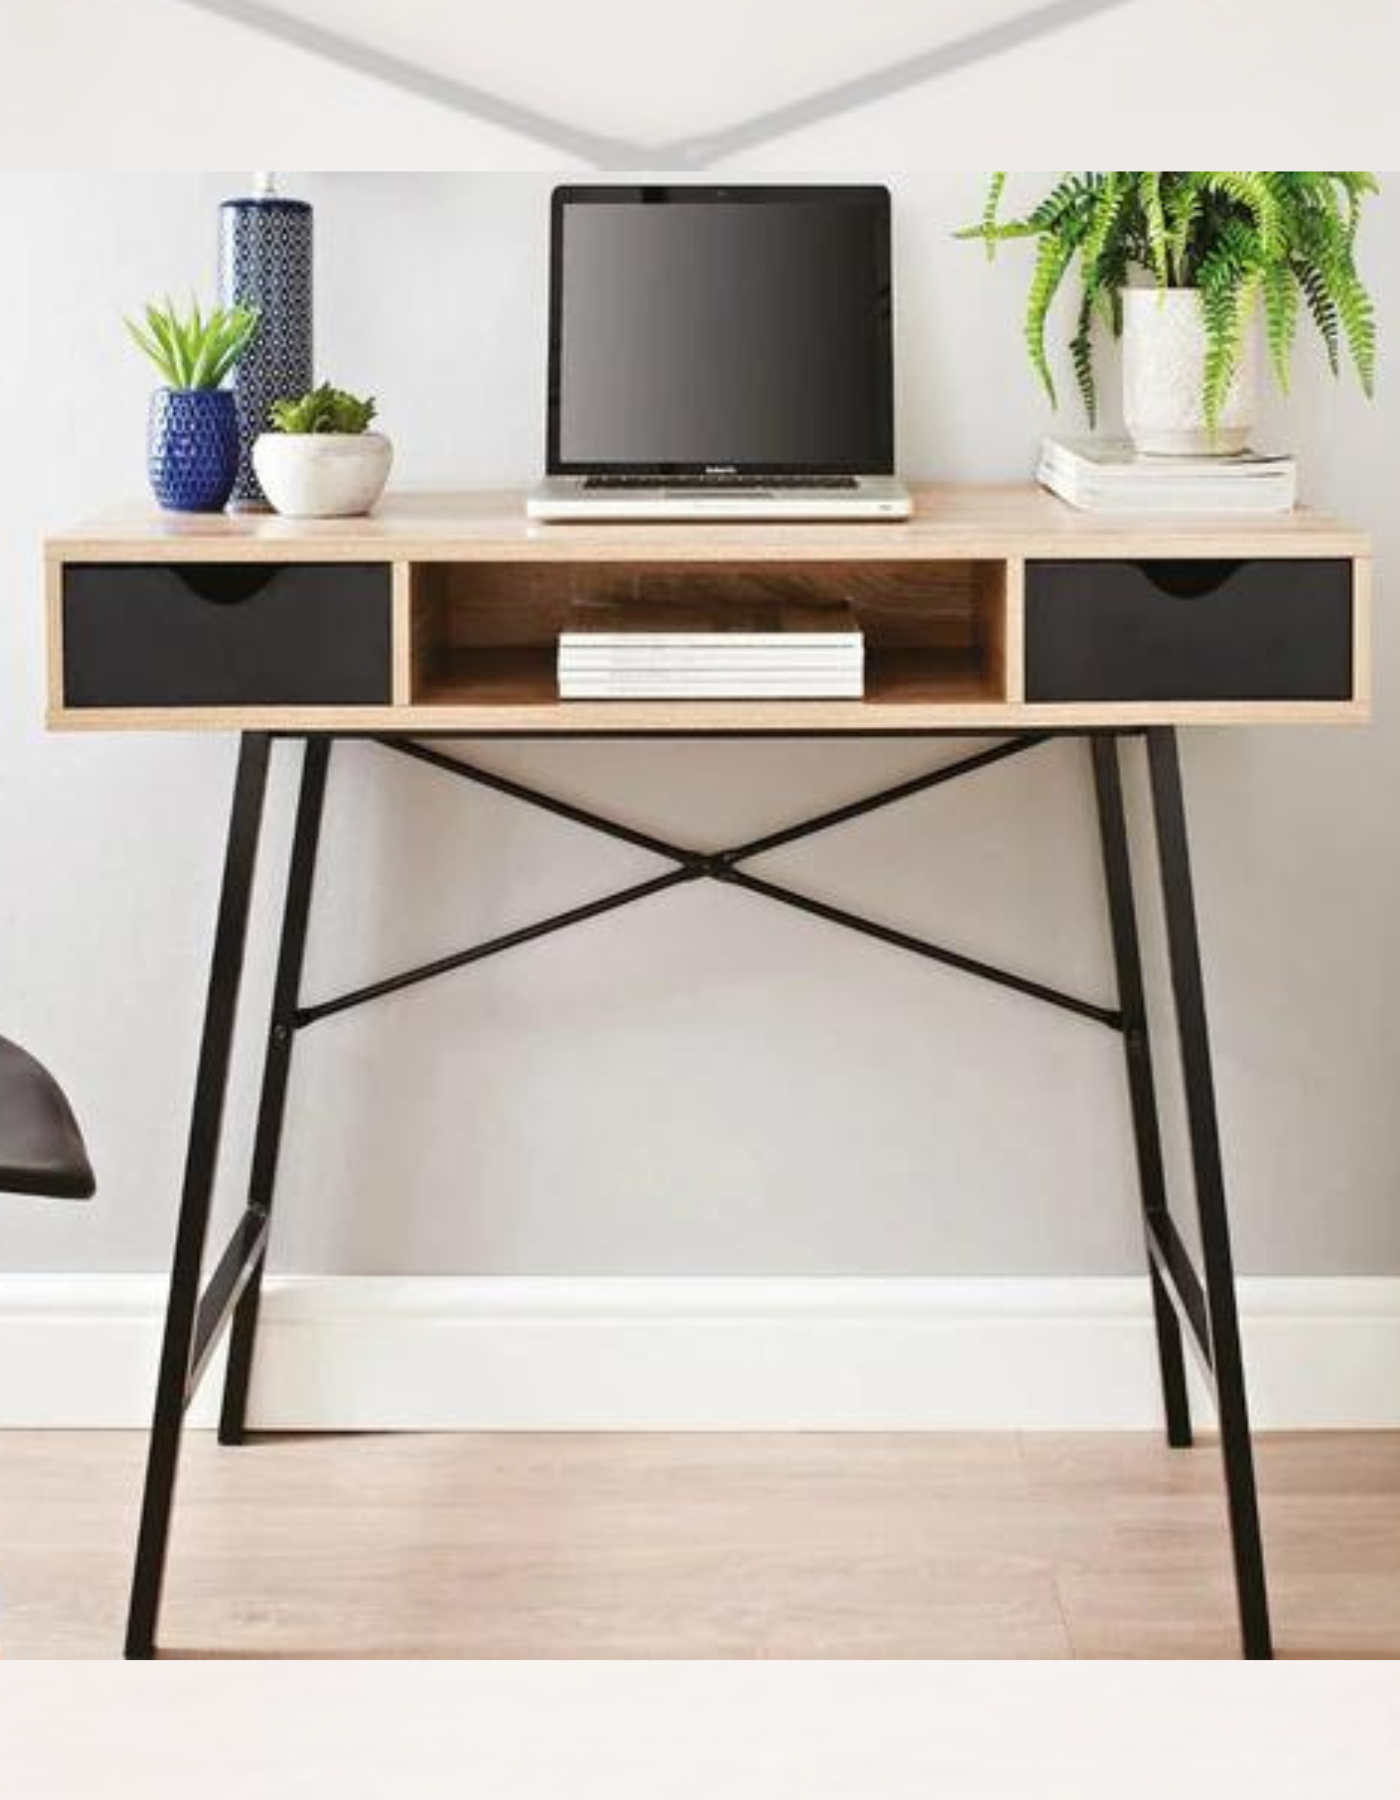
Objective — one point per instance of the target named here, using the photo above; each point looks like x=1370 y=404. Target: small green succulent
x=194 y=349
x=324 y=409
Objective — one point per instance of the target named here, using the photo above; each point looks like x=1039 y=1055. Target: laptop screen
x=701 y=328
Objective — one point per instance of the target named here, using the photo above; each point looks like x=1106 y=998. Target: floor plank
x=699 y=1545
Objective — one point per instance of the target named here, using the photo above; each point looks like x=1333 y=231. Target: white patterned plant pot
x=1164 y=369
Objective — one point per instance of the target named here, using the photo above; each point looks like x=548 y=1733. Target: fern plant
x=194 y=349
x=324 y=409
x=1284 y=241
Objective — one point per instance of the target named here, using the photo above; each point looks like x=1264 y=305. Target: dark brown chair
x=41 y=1149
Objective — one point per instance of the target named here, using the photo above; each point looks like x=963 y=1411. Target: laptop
x=720 y=353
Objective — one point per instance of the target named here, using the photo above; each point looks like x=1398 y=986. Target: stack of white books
x=1107 y=475
x=766 y=650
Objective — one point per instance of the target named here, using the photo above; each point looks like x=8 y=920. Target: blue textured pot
x=192 y=448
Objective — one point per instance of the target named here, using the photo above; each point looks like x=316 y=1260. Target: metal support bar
x=518 y=790
x=206 y=1121
x=904 y=790
x=526 y=934
x=1142 y=1090
x=242 y=1255
x=902 y=940
x=1188 y=988
x=277 y=1065
x=1172 y=1263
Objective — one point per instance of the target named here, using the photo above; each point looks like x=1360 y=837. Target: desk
x=995 y=612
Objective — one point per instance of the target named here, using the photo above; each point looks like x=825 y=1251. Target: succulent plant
x=324 y=409
x=194 y=349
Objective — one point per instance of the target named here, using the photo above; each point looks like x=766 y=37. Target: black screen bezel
x=875 y=197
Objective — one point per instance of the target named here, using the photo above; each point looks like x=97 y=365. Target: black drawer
x=1188 y=630
x=227 y=634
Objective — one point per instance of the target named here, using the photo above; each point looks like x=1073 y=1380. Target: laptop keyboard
x=723 y=484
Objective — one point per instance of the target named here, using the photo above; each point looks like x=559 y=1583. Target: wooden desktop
x=445 y=611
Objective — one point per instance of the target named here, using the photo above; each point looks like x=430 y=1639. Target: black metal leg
x=1183 y=949
x=200 y=1163
x=1142 y=1092
x=276 y=1069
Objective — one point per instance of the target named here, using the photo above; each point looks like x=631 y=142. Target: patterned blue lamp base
x=265 y=260
x=192 y=448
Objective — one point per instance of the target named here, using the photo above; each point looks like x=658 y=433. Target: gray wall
x=704 y=1084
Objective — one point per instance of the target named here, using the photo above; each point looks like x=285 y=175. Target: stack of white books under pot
x=732 y=650
x=1106 y=475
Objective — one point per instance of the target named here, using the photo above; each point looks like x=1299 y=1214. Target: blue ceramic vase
x=265 y=259
x=192 y=448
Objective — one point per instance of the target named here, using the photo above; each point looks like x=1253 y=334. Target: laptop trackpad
x=718 y=497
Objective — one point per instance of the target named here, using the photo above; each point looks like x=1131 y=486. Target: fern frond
x=1323 y=309
x=1184 y=204
x=1052 y=260
x=1326 y=245
x=1081 y=349
x=1002 y=233
x=1357 y=312
x=1251 y=192
x=1114 y=270
x=1154 y=218
x=1103 y=217
x=990 y=209
x=1280 y=291
x=1073 y=193
x=1227 y=314
x=1356 y=184
x=1229 y=275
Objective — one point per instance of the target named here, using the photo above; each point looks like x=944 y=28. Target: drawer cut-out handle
x=226 y=584
x=1191 y=579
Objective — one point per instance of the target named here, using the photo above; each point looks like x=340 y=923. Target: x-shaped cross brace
x=713 y=865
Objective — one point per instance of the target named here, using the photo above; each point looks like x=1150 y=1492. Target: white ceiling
x=639 y=74
x=148 y=84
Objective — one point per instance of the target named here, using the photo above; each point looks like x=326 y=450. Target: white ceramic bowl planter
x=323 y=474
x=1164 y=378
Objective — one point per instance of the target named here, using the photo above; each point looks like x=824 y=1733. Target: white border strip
x=428 y=1353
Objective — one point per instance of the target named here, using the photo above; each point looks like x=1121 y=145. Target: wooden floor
x=699 y=1546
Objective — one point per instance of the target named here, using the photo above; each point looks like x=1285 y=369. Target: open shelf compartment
x=485 y=633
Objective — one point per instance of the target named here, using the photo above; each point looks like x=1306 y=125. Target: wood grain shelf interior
x=485 y=633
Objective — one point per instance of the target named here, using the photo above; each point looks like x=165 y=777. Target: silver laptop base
x=564 y=499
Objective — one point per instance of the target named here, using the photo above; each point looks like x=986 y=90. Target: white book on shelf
x=773 y=687
x=684 y=660
x=1180 y=500
x=684 y=648
x=735 y=626
x=1107 y=475
x=731 y=641
x=1115 y=459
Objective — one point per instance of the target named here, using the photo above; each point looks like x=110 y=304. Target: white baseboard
x=390 y=1353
